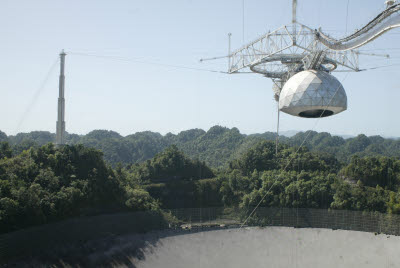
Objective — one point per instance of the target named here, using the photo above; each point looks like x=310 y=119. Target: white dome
x=312 y=94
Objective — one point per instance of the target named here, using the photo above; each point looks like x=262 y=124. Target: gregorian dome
x=312 y=94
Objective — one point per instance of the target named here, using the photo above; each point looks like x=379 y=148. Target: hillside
x=216 y=147
x=47 y=184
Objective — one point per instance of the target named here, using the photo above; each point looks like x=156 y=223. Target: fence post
x=343 y=223
x=201 y=217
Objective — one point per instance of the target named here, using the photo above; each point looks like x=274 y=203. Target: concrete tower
x=60 y=131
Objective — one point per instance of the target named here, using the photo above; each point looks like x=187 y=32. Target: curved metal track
x=385 y=21
x=290 y=63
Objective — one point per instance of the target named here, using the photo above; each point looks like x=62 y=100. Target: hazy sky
x=133 y=96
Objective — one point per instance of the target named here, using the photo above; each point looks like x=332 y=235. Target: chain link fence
x=291 y=217
x=34 y=240
x=74 y=233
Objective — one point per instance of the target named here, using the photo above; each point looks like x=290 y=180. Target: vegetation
x=300 y=178
x=295 y=177
x=43 y=184
x=168 y=165
x=217 y=147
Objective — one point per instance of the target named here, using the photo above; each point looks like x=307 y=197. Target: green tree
x=5 y=150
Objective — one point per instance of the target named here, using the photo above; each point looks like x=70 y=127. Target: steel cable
x=287 y=165
x=36 y=95
x=144 y=62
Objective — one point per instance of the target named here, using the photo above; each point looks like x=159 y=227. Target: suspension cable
x=36 y=95
x=143 y=62
x=277 y=131
x=379 y=67
x=347 y=14
x=290 y=160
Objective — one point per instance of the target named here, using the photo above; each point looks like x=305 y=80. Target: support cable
x=144 y=62
x=392 y=48
x=277 y=131
x=379 y=67
x=347 y=14
x=290 y=160
x=36 y=95
x=243 y=21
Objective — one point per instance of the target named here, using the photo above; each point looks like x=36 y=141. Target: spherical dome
x=312 y=94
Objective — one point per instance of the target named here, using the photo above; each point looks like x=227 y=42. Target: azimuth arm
x=385 y=21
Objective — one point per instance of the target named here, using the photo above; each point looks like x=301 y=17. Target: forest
x=103 y=172
x=217 y=147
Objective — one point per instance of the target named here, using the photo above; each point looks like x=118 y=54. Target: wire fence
x=74 y=233
x=35 y=240
x=292 y=217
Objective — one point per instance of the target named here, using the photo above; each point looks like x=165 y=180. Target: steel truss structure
x=289 y=49
x=296 y=47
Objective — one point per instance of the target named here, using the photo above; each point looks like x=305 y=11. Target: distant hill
x=216 y=147
x=288 y=133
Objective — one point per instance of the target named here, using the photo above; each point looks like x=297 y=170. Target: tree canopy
x=148 y=171
x=217 y=147
x=44 y=184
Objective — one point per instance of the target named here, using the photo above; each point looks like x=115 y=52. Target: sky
x=133 y=95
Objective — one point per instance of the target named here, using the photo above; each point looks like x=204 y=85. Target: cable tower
x=60 y=128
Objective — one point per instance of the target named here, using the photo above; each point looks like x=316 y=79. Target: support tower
x=60 y=131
